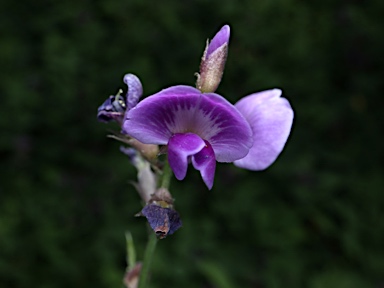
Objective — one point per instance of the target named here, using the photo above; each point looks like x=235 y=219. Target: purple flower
x=202 y=128
x=197 y=127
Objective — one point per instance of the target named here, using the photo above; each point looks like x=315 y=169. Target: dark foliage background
x=314 y=219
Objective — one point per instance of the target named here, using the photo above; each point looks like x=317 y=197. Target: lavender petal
x=135 y=90
x=270 y=117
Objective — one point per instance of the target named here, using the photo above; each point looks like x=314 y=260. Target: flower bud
x=131 y=277
x=161 y=215
x=213 y=61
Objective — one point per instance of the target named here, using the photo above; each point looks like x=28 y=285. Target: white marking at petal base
x=188 y=117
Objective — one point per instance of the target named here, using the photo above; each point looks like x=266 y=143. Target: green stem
x=166 y=176
x=131 y=252
x=149 y=251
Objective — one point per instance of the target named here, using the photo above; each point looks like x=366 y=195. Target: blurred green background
x=314 y=219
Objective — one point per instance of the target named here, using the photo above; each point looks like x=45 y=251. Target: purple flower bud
x=163 y=221
x=160 y=213
x=213 y=61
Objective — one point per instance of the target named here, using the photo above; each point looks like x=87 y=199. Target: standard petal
x=180 y=148
x=153 y=119
x=231 y=137
x=205 y=162
x=183 y=109
x=220 y=38
x=270 y=117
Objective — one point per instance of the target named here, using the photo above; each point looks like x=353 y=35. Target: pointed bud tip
x=213 y=61
x=226 y=30
x=218 y=40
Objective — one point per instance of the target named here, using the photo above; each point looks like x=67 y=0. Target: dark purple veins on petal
x=183 y=109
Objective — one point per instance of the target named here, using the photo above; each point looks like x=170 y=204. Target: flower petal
x=220 y=38
x=270 y=117
x=205 y=162
x=150 y=120
x=135 y=89
x=180 y=147
x=234 y=138
x=182 y=109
